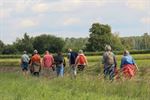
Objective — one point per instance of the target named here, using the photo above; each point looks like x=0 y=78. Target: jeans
x=60 y=70
x=109 y=70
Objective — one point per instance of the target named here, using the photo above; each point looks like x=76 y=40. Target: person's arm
x=76 y=61
x=115 y=61
x=86 y=62
x=135 y=64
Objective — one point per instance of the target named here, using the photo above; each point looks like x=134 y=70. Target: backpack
x=109 y=58
x=81 y=59
x=58 y=59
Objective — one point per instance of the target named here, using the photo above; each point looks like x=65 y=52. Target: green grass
x=13 y=86
x=87 y=86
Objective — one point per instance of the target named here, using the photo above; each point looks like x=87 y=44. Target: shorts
x=24 y=66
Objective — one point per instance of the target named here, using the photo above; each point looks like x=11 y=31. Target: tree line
x=99 y=36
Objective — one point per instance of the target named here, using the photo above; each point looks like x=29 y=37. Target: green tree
x=26 y=43
x=100 y=35
x=75 y=43
x=1 y=46
x=48 y=42
x=9 y=49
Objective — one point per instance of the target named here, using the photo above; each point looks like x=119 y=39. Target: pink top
x=48 y=60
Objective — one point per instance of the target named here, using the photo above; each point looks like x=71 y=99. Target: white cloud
x=139 y=4
x=27 y=23
x=40 y=7
x=71 y=21
x=145 y=20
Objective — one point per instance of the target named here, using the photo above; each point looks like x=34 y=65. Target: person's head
x=46 y=52
x=126 y=52
x=80 y=51
x=35 y=51
x=24 y=52
x=69 y=49
x=59 y=53
x=107 y=48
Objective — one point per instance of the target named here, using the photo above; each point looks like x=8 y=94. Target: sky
x=72 y=18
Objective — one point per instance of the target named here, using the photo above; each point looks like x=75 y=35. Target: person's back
x=36 y=63
x=60 y=62
x=36 y=58
x=48 y=60
x=127 y=60
x=72 y=57
x=108 y=58
x=25 y=58
x=24 y=63
x=81 y=61
x=109 y=62
x=128 y=65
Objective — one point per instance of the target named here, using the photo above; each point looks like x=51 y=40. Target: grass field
x=87 y=86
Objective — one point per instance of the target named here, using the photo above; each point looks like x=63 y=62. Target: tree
x=100 y=35
x=75 y=43
x=146 y=41
x=9 y=49
x=24 y=44
x=48 y=42
x=1 y=46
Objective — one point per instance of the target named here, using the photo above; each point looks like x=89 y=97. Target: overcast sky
x=72 y=18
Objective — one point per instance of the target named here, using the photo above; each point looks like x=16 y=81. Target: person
x=128 y=65
x=109 y=63
x=60 y=64
x=47 y=63
x=24 y=63
x=31 y=67
x=36 y=63
x=81 y=61
x=72 y=57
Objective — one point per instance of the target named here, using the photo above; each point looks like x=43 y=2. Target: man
x=81 y=61
x=36 y=63
x=60 y=64
x=47 y=63
x=24 y=63
x=72 y=58
x=109 y=62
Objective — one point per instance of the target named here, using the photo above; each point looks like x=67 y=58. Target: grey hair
x=80 y=51
x=107 y=48
x=25 y=52
x=126 y=52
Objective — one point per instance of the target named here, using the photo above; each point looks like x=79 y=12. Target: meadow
x=88 y=85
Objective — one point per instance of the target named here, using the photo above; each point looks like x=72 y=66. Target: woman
x=36 y=63
x=47 y=63
x=128 y=65
x=81 y=61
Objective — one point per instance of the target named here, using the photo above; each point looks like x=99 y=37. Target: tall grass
x=13 y=86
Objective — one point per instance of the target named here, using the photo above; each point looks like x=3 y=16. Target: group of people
x=77 y=62
x=49 y=63
x=128 y=66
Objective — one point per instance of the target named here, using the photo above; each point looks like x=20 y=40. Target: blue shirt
x=127 y=60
